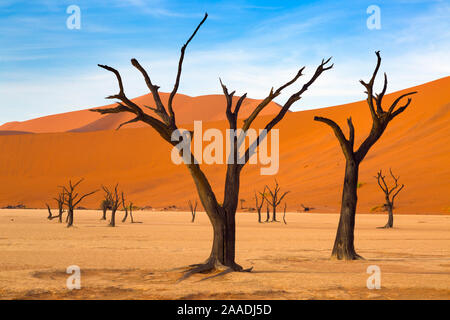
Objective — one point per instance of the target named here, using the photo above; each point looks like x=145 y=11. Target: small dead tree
x=259 y=206
x=267 y=212
x=193 y=208
x=131 y=213
x=222 y=216
x=125 y=208
x=389 y=194
x=242 y=203
x=60 y=202
x=72 y=199
x=344 y=248
x=284 y=213
x=106 y=204
x=306 y=209
x=274 y=198
x=114 y=200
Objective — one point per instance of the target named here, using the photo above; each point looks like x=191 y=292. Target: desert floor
x=140 y=261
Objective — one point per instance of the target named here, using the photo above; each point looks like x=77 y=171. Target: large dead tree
x=274 y=198
x=222 y=216
x=114 y=200
x=72 y=199
x=389 y=194
x=259 y=205
x=60 y=202
x=344 y=244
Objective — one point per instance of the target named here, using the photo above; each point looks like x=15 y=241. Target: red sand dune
x=187 y=109
x=416 y=145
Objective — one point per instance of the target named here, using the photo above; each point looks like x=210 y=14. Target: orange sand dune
x=187 y=109
x=416 y=146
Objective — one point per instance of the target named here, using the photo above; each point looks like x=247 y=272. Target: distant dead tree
x=267 y=213
x=60 y=202
x=193 y=208
x=242 y=203
x=389 y=194
x=114 y=200
x=274 y=198
x=284 y=213
x=72 y=199
x=106 y=204
x=222 y=216
x=343 y=248
x=306 y=209
x=259 y=206
x=127 y=209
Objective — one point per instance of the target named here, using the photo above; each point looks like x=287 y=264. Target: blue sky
x=46 y=68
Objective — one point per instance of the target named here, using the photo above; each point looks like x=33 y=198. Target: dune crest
x=416 y=146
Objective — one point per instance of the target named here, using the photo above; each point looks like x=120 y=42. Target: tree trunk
x=274 y=214
x=112 y=223
x=267 y=214
x=131 y=212
x=344 y=244
x=104 y=214
x=69 y=218
x=60 y=215
x=126 y=215
x=259 y=215
x=223 y=248
x=390 y=223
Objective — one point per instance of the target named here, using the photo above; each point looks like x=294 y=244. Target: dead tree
x=389 y=194
x=306 y=209
x=274 y=198
x=60 y=202
x=125 y=208
x=284 y=213
x=114 y=200
x=222 y=216
x=72 y=199
x=131 y=213
x=106 y=203
x=344 y=244
x=242 y=203
x=259 y=206
x=267 y=213
x=193 y=209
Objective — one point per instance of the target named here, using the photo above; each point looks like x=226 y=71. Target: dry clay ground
x=138 y=261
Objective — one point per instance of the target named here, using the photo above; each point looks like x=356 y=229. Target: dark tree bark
x=60 y=202
x=72 y=199
x=131 y=213
x=106 y=203
x=284 y=213
x=267 y=213
x=259 y=206
x=344 y=244
x=193 y=208
x=389 y=194
x=124 y=207
x=114 y=201
x=274 y=200
x=221 y=216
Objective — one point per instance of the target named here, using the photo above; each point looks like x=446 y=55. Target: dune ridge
x=415 y=145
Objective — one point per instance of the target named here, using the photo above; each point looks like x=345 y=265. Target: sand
x=137 y=261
